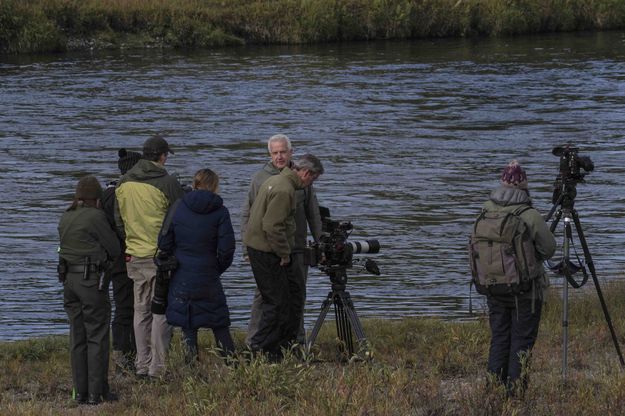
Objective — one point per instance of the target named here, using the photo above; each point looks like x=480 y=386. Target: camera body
x=332 y=254
x=165 y=264
x=572 y=164
x=570 y=174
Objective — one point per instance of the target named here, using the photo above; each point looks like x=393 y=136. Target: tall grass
x=420 y=367
x=55 y=25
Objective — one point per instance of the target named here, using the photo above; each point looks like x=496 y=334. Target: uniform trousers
x=89 y=313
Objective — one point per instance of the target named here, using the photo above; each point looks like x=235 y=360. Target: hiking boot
x=80 y=398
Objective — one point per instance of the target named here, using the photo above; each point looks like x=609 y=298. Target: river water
x=413 y=136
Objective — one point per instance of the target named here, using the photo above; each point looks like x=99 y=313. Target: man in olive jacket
x=514 y=320
x=143 y=196
x=270 y=238
x=306 y=216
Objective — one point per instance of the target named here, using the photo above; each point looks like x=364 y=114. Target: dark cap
x=156 y=145
x=88 y=188
x=513 y=175
x=127 y=160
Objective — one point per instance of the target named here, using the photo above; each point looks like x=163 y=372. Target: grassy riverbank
x=421 y=367
x=60 y=25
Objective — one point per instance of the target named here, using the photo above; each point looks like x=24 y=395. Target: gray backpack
x=501 y=254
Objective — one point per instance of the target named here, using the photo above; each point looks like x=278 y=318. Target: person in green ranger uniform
x=87 y=246
x=270 y=238
x=143 y=197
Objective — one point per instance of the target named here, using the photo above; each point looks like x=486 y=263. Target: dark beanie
x=127 y=160
x=88 y=188
x=514 y=175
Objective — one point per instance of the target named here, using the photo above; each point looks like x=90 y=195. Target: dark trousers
x=89 y=313
x=123 y=299
x=514 y=329
x=297 y=283
x=282 y=298
x=223 y=340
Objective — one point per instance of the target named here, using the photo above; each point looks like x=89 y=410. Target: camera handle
x=571 y=214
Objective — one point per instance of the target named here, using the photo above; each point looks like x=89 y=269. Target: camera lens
x=365 y=246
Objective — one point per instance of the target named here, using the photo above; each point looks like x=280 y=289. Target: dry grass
x=420 y=367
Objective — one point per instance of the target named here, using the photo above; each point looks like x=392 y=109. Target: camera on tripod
x=570 y=173
x=165 y=264
x=333 y=253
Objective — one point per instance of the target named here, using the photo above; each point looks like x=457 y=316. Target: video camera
x=333 y=253
x=570 y=174
x=571 y=164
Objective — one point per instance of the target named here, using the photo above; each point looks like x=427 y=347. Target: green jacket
x=271 y=225
x=508 y=199
x=143 y=196
x=306 y=209
x=85 y=232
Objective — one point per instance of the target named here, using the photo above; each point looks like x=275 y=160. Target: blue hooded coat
x=201 y=237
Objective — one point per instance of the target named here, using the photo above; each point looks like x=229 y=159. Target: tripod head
x=572 y=170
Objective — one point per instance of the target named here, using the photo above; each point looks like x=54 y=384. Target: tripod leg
x=355 y=323
x=591 y=267
x=565 y=295
x=325 y=306
x=554 y=224
x=343 y=328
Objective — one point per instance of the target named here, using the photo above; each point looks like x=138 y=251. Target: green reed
x=59 y=25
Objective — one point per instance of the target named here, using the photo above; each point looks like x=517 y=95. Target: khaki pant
x=152 y=332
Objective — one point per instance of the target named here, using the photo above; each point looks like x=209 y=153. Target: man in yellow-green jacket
x=144 y=194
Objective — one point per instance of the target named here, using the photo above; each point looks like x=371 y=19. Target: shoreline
x=47 y=26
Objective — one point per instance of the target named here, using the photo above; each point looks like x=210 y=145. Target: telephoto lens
x=365 y=246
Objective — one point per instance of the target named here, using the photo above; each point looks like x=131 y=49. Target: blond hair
x=206 y=179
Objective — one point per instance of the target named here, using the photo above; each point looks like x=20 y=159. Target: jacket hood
x=145 y=169
x=202 y=201
x=506 y=195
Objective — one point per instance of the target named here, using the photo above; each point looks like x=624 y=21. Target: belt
x=80 y=268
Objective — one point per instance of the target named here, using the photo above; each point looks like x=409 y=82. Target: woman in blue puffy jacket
x=200 y=235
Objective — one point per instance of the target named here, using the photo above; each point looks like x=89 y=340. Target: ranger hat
x=156 y=145
x=514 y=175
x=127 y=160
x=88 y=188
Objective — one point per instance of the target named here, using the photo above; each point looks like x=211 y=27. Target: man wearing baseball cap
x=144 y=194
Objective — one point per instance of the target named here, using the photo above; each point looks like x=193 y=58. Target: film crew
x=306 y=216
x=199 y=233
x=270 y=238
x=87 y=247
x=124 y=349
x=514 y=319
x=143 y=196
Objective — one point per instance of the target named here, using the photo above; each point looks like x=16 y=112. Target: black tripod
x=344 y=315
x=565 y=202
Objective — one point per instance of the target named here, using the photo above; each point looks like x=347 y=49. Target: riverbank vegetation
x=421 y=366
x=61 y=25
